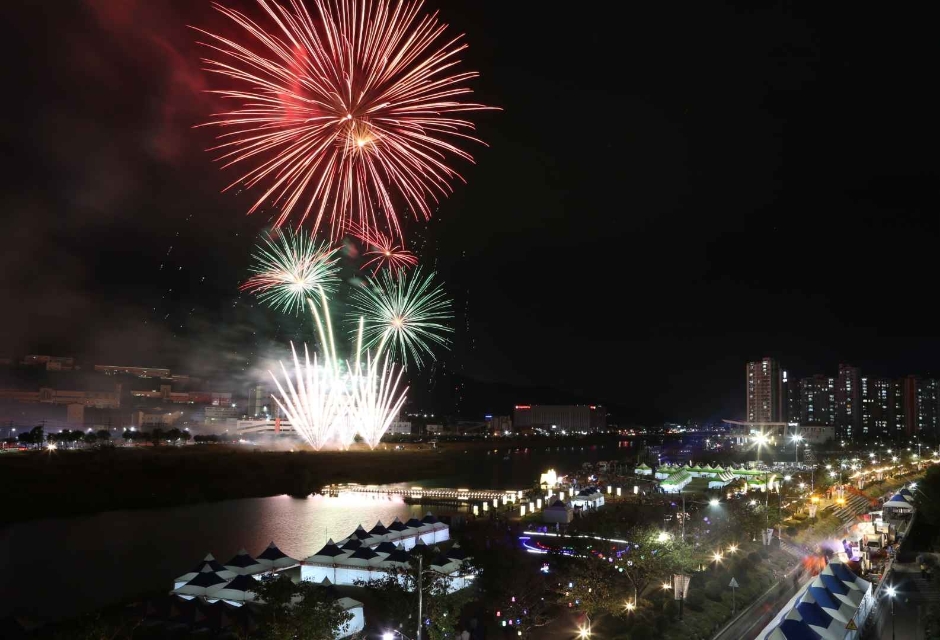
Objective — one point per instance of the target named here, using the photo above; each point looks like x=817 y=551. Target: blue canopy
x=797 y=630
x=842 y=572
x=813 y=614
x=833 y=584
x=823 y=597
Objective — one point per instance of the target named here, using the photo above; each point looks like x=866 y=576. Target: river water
x=61 y=567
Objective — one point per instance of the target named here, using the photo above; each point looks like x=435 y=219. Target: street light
x=713 y=502
x=662 y=537
x=891 y=592
x=584 y=632
x=733 y=548
x=797 y=439
x=761 y=440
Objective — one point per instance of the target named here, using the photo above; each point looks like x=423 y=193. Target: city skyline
x=697 y=207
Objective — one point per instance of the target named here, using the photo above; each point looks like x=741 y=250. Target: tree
x=927 y=497
x=298 y=610
x=157 y=436
x=516 y=587
x=90 y=438
x=441 y=608
x=592 y=584
x=185 y=436
x=173 y=434
x=33 y=436
x=103 y=435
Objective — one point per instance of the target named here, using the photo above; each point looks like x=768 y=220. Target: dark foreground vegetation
x=82 y=481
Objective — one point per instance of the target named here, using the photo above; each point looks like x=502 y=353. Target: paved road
x=914 y=593
x=756 y=617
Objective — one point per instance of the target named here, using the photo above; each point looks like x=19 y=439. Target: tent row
x=233 y=585
x=242 y=564
x=429 y=530
x=698 y=471
x=370 y=555
x=824 y=608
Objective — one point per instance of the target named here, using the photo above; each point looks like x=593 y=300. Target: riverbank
x=43 y=484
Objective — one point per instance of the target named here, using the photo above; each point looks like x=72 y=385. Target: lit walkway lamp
x=680 y=590
x=891 y=592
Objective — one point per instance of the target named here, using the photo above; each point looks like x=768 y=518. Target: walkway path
x=751 y=620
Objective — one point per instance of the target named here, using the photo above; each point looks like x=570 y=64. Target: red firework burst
x=384 y=250
x=344 y=113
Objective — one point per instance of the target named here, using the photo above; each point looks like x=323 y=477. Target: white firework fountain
x=329 y=403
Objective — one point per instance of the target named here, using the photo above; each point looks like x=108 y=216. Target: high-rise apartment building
x=791 y=387
x=878 y=408
x=898 y=423
x=848 y=402
x=765 y=398
x=818 y=401
x=927 y=409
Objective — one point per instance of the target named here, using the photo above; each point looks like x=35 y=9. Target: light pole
x=420 y=594
x=797 y=439
x=761 y=440
x=890 y=591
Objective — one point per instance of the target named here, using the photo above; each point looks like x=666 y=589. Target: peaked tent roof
x=399 y=555
x=429 y=519
x=239 y=589
x=275 y=558
x=213 y=565
x=413 y=523
x=330 y=550
x=897 y=501
x=360 y=533
x=242 y=563
x=364 y=553
x=204 y=581
x=351 y=545
x=378 y=530
x=396 y=525
x=385 y=547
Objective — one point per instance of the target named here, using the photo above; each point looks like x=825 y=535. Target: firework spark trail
x=384 y=250
x=315 y=404
x=404 y=314
x=289 y=268
x=337 y=111
x=375 y=404
x=331 y=404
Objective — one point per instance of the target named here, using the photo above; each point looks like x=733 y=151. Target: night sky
x=669 y=191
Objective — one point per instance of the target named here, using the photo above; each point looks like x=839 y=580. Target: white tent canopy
x=274 y=558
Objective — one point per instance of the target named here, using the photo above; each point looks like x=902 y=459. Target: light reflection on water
x=61 y=567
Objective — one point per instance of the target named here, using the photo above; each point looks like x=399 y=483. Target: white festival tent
x=897 y=503
x=237 y=591
x=208 y=561
x=274 y=558
x=824 y=608
x=379 y=552
x=244 y=565
x=202 y=584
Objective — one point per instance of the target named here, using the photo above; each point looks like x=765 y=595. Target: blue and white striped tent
x=824 y=607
